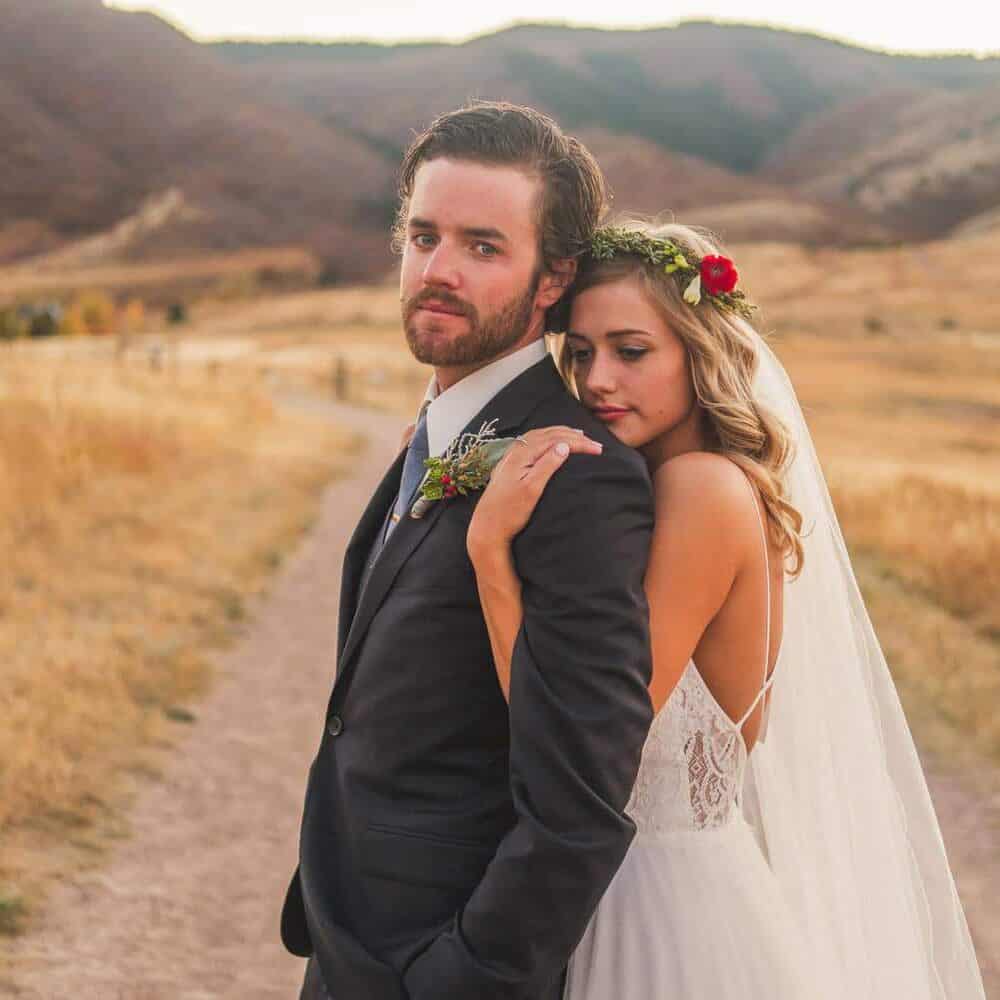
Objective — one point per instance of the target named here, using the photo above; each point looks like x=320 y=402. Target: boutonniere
x=464 y=468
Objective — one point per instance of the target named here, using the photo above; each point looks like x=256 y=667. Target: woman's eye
x=632 y=353
x=579 y=356
x=423 y=240
x=486 y=249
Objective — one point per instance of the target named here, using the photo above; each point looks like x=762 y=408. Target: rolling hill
x=757 y=133
x=101 y=110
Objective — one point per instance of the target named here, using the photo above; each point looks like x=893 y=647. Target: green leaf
x=493 y=451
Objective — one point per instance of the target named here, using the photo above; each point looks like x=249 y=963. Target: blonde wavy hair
x=722 y=359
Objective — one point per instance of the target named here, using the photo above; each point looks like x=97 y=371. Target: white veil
x=835 y=788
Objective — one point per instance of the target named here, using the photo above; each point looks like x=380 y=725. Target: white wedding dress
x=695 y=912
x=831 y=879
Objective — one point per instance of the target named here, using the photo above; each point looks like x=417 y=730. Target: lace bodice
x=695 y=757
x=692 y=764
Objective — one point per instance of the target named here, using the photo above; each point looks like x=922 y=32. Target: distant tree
x=45 y=321
x=329 y=274
x=176 y=313
x=12 y=325
x=91 y=313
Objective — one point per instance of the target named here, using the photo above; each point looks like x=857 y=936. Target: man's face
x=471 y=283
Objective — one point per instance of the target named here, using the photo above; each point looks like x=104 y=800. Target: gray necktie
x=413 y=472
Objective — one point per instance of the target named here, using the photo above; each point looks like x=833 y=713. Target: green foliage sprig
x=464 y=468
x=673 y=259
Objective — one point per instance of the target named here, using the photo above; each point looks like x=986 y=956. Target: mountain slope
x=921 y=161
x=101 y=109
x=726 y=93
x=760 y=134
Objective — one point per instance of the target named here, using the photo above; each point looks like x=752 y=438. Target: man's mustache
x=444 y=298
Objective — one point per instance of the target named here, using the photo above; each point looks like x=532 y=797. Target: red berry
x=445 y=479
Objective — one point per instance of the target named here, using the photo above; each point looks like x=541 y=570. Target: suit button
x=335 y=725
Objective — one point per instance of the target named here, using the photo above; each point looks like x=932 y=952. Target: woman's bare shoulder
x=702 y=534
x=700 y=484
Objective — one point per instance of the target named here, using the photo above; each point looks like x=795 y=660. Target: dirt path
x=187 y=909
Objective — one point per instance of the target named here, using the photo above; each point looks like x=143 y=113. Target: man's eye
x=423 y=240
x=486 y=249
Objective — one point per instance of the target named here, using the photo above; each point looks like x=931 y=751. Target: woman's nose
x=600 y=376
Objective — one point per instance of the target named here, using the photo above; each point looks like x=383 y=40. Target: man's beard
x=485 y=340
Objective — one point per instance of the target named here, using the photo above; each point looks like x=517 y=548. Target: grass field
x=910 y=441
x=139 y=512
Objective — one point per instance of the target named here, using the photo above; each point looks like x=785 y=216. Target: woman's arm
x=503 y=510
x=500 y=594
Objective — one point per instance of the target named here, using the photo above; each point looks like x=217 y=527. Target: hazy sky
x=965 y=25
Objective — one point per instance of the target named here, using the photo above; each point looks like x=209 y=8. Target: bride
x=786 y=844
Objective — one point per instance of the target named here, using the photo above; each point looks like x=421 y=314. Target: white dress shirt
x=450 y=411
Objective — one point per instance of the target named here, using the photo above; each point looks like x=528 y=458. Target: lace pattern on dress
x=692 y=764
x=714 y=768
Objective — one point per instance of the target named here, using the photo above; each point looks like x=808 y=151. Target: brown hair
x=574 y=193
x=722 y=357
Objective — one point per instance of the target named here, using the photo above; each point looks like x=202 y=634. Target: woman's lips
x=609 y=413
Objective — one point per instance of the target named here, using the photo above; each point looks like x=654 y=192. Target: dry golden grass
x=138 y=512
x=911 y=290
x=942 y=540
x=909 y=437
x=233 y=274
x=304 y=337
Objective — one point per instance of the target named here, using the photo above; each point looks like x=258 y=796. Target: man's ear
x=557 y=277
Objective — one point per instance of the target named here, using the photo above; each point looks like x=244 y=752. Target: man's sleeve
x=579 y=714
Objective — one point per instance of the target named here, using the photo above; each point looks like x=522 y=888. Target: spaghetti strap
x=767 y=681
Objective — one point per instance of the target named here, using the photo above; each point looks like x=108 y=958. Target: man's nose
x=441 y=268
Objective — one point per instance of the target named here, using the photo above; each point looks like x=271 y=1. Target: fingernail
x=562 y=449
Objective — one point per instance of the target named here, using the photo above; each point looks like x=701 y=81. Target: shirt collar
x=449 y=412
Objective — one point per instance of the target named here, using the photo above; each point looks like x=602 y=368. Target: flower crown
x=713 y=276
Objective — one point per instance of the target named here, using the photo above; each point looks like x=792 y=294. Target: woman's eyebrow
x=612 y=334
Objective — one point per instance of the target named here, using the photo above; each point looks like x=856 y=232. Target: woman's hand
x=517 y=483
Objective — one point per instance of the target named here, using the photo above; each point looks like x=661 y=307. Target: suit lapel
x=360 y=546
x=406 y=536
x=511 y=408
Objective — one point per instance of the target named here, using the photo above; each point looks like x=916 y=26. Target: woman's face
x=630 y=368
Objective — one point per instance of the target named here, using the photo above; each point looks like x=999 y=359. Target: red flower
x=718 y=274
x=450 y=491
x=445 y=479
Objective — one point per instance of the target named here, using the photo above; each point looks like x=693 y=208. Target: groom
x=451 y=850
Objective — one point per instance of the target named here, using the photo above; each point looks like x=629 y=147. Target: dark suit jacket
x=451 y=850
